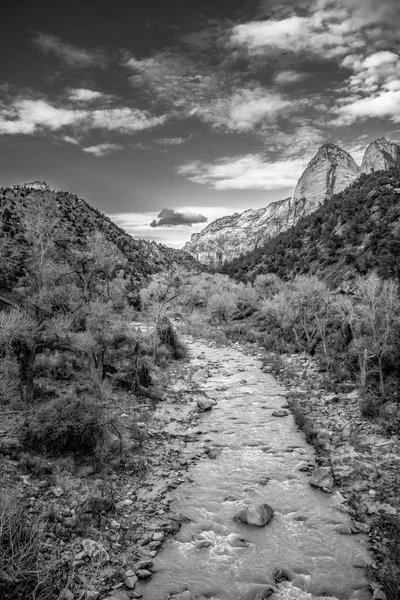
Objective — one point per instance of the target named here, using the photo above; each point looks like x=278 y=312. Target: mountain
x=353 y=232
x=330 y=171
x=381 y=155
x=78 y=219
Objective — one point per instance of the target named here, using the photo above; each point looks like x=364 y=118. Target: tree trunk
x=381 y=378
x=26 y=361
x=362 y=359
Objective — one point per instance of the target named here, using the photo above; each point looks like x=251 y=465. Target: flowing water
x=260 y=460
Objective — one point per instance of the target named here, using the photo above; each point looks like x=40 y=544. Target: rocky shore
x=358 y=461
x=108 y=527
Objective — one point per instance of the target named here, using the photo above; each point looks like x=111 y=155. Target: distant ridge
x=78 y=218
x=330 y=171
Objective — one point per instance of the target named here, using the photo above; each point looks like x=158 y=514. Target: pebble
x=143 y=573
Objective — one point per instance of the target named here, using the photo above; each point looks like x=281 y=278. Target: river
x=259 y=458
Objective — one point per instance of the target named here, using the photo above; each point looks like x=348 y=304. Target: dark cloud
x=169 y=217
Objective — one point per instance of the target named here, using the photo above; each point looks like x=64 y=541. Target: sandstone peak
x=330 y=171
x=381 y=155
x=34 y=185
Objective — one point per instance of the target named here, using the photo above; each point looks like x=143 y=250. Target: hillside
x=353 y=232
x=78 y=219
x=329 y=172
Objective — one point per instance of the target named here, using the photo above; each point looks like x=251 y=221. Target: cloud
x=248 y=172
x=124 y=120
x=84 y=95
x=27 y=116
x=138 y=225
x=290 y=77
x=187 y=88
x=245 y=108
x=384 y=104
x=300 y=141
x=70 y=140
x=177 y=141
x=380 y=69
x=169 y=217
x=68 y=53
x=102 y=149
x=322 y=29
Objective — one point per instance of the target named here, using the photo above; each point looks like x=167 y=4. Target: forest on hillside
x=352 y=233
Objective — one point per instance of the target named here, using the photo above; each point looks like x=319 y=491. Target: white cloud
x=27 y=116
x=246 y=172
x=124 y=120
x=244 y=109
x=84 y=95
x=177 y=141
x=102 y=149
x=290 y=77
x=383 y=104
x=380 y=58
x=68 y=53
x=190 y=89
x=70 y=140
x=324 y=29
x=296 y=34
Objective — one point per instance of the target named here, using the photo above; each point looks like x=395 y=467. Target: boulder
x=257 y=515
x=322 y=479
x=280 y=413
x=204 y=404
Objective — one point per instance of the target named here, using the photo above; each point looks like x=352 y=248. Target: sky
x=167 y=115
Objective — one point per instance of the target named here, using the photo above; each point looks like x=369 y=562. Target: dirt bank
x=363 y=458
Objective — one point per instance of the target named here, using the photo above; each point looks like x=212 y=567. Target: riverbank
x=108 y=527
x=99 y=529
x=364 y=460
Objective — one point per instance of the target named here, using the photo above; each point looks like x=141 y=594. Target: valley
x=149 y=404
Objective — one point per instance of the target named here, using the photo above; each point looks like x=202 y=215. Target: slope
x=78 y=219
x=353 y=232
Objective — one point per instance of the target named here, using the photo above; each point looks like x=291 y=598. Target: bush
x=26 y=572
x=389 y=569
x=370 y=406
x=66 y=425
x=169 y=338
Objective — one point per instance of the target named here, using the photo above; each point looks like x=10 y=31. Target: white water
x=259 y=462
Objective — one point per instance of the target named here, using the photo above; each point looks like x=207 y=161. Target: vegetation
x=71 y=363
x=352 y=233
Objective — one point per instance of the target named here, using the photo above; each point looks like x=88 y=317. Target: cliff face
x=380 y=156
x=330 y=171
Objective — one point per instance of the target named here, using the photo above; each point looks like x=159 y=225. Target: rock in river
x=204 y=404
x=257 y=515
x=322 y=479
x=280 y=413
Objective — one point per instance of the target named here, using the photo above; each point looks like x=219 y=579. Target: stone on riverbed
x=204 y=404
x=322 y=479
x=257 y=515
x=280 y=413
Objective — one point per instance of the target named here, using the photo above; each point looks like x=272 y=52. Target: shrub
x=370 y=406
x=26 y=571
x=66 y=425
x=169 y=338
x=389 y=569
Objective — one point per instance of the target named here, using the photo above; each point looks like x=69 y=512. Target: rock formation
x=380 y=156
x=330 y=171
